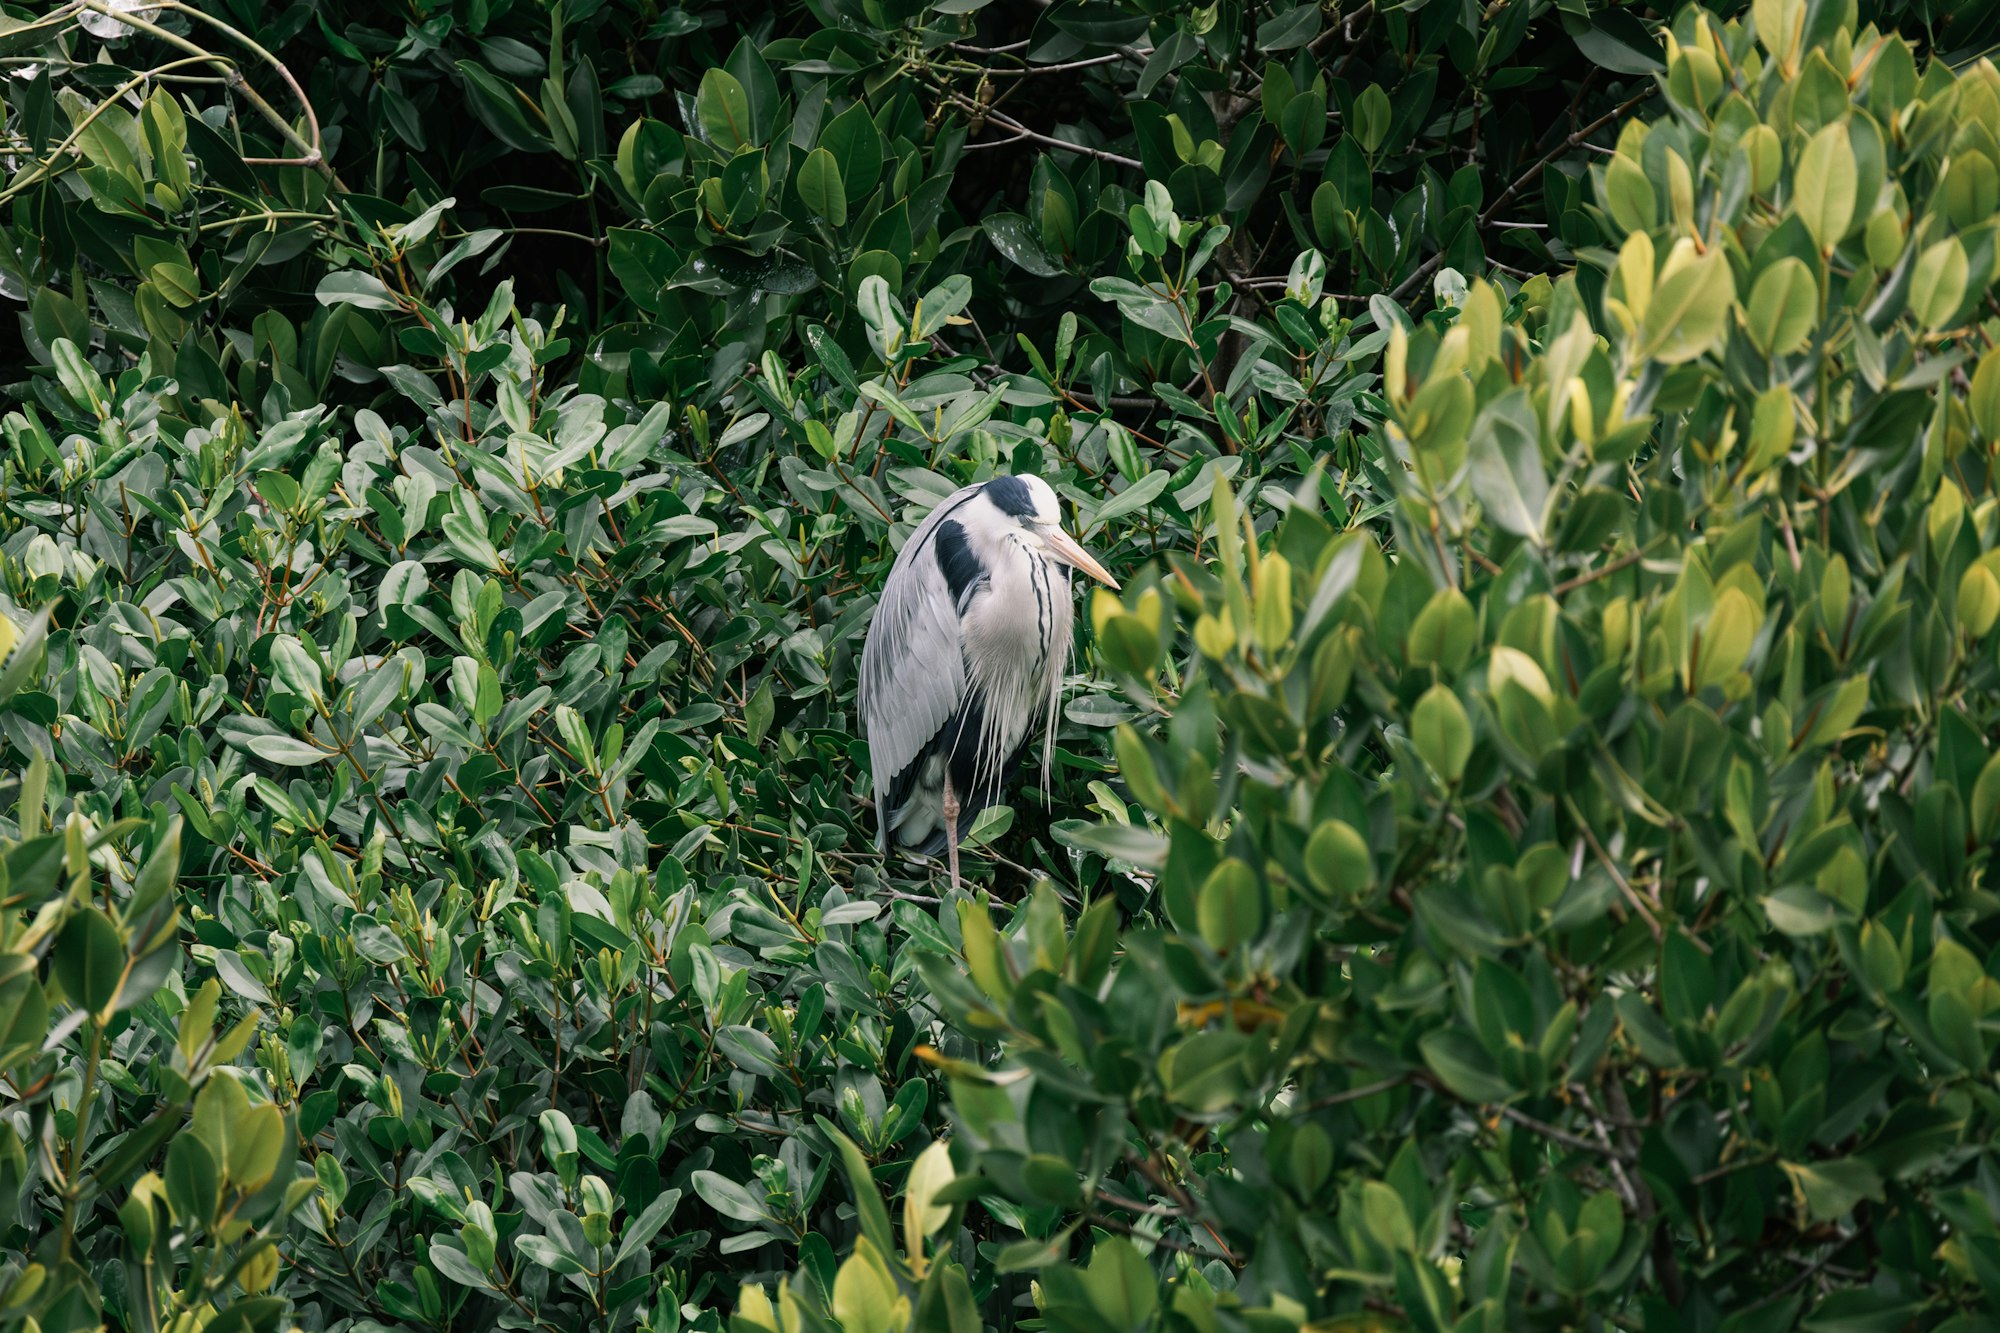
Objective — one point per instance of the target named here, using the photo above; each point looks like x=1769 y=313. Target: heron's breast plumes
x=1017 y=635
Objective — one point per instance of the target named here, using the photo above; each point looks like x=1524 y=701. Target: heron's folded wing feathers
x=913 y=667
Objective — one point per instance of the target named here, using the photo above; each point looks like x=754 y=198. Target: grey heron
x=966 y=652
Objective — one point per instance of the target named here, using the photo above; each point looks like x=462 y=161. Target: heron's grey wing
x=912 y=665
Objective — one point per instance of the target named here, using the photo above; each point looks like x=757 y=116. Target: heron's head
x=1031 y=503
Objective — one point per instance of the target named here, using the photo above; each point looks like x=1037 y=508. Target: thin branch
x=1356 y=1094
x=1563 y=1136
x=1007 y=122
x=1617 y=877
x=1135 y=1206
x=994 y=143
x=1027 y=70
x=312 y=155
x=1165 y=1243
x=1605 y=570
x=1009 y=48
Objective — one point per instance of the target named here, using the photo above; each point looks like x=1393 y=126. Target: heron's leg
x=951 y=829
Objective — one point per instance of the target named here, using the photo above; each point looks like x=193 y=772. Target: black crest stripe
x=1011 y=496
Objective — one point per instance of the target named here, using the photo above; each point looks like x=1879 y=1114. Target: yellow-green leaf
x=922 y=1214
x=1784 y=302
x=1689 y=313
x=1338 y=859
x=1825 y=184
x=1978 y=600
x=1442 y=733
x=1629 y=196
x=1842 y=710
x=1726 y=642
x=1985 y=809
x=1445 y=632
x=1230 y=906
x=1773 y=426
x=1984 y=400
x=1937 y=285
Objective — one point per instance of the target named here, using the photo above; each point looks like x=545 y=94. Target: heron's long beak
x=1066 y=549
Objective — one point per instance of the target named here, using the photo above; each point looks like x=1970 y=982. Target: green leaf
x=1100 y=25
x=1134 y=498
x=180 y=284
x=1689 y=313
x=820 y=188
x=1827 y=1191
x=24 y=1012
x=1629 y=195
x=1802 y=911
x=157 y=877
x=873 y=1214
x=1230 y=906
x=1122 y=842
x=864 y=1295
x=856 y=144
x=89 y=959
x=1290 y=29
x=465 y=529
x=1825 y=184
x=1121 y=1284
x=831 y=359
x=1369 y=121
x=638 y=1233
x=1445 y=632
x=295 y=668
x=722 y=108
x=1838 y=710
x=454 y=1265
x=1463 y=1067
x=1783 y=307
x=286 y=750
x=256 y=1144
x=727 y=1197
x=78 y=380
x=1338 y=860
x=194 y=1184
x=1985 y=804
x=1984 y=399
x=1773 y=428
x=1504 y=465
x=1205 y=1072
x=502 y=108
x=1442 y=733
x=1617 y=40
x=545 y=1252
x=922 y=1214
x=1150 y=308
x=1938 y=283
x=352 y=287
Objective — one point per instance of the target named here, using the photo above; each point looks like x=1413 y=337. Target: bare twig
x=1027 y=70
x=1631 y=894
x=311 y=154
x=1562 y=1136
x=1356 y=1094
x=1007 y=122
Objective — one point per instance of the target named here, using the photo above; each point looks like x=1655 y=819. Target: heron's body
x=965 y=655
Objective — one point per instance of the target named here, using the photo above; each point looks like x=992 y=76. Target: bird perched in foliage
x=966 y=652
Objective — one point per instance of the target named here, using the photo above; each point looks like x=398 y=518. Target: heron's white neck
x=1017 y=636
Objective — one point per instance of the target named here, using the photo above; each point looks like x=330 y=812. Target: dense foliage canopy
x=1518 y=855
